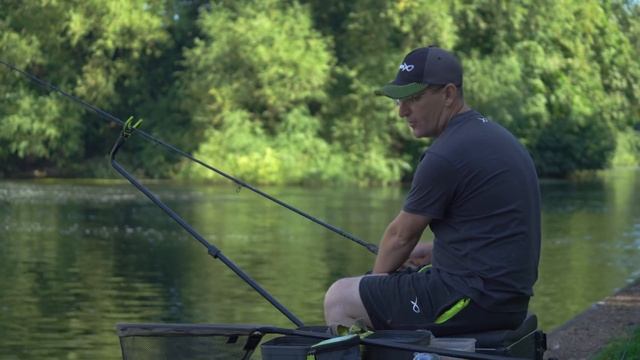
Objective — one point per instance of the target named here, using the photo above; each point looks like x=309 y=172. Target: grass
x=625 y=348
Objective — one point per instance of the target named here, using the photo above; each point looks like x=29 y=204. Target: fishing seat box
x=526 y=341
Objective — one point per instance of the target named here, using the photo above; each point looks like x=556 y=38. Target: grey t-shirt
x=480 y=187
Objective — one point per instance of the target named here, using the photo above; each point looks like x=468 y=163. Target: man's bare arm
x=399 y=239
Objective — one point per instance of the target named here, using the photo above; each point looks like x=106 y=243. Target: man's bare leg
x=342 y=303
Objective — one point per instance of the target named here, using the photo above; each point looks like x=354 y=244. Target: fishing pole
x=108 y=117
x=127 y=130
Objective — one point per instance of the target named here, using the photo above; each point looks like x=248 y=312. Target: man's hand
x=420 y=256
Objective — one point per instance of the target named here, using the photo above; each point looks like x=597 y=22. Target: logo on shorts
x=415 y=308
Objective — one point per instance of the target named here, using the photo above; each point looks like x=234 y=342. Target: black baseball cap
x=422 y=67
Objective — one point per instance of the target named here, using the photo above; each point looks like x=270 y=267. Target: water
x=78 y=257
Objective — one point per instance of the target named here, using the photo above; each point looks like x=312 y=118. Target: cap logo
x=405 y=67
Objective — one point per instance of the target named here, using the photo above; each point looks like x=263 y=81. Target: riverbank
x=586 y=334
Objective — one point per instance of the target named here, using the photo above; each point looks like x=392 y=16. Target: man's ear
x=450 y=94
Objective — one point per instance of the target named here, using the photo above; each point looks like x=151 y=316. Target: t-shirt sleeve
x=432 y=187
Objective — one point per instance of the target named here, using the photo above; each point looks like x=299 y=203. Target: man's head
x=428 y=90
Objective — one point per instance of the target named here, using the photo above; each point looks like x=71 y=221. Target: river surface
x=77 y=257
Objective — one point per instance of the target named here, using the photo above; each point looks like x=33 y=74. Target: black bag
x=406 y=337
x=345 y=347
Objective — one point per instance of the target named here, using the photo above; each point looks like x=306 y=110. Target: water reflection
x=591 y=245
x=80 y=257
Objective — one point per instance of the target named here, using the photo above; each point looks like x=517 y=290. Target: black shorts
x=411 y=301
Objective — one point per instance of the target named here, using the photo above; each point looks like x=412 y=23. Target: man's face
x=423 y=112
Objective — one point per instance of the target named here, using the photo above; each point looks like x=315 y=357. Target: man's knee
x=340 y=292
x=342 y=303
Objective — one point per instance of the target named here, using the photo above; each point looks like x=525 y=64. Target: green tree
x=370 y=39
x=627 y=152
x=253 y=85
x=555 y=75
x=87 y=47
x=281 y=91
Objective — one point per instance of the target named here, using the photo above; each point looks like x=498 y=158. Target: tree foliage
x=554 y=77
x=92 y=48
x=281 y=91
x=253 y=84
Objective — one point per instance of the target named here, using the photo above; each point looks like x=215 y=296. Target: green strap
x=334 y=340
x=453 y=310
x=312 y=356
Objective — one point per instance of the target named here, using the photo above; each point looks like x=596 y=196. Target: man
x=477 y=189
